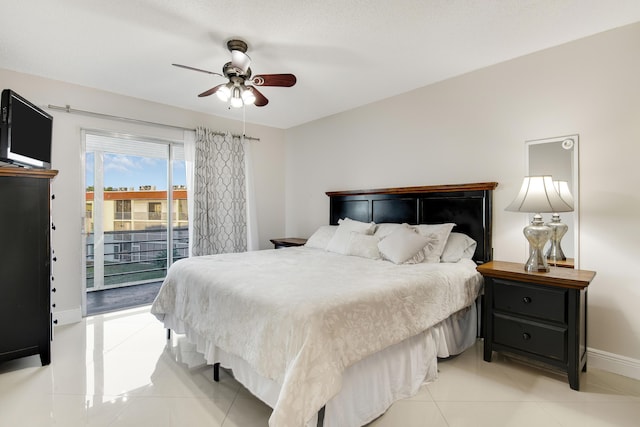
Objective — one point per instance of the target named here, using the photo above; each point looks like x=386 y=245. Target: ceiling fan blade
x=210 y=91
x=197 y=69
x=285 y=80
x=261 y=100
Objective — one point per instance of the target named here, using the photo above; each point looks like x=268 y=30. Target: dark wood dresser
x=25 y=263
x=542 y=316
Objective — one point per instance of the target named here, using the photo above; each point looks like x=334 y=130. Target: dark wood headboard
x=469 y=206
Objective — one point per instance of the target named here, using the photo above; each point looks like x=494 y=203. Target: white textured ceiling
x=345 y=53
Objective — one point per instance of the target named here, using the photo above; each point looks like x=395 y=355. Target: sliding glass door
x=134 y=227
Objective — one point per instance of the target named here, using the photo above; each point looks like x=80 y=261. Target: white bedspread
x=301 y=316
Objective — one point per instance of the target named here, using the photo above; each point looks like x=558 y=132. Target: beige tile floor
x=117 y=370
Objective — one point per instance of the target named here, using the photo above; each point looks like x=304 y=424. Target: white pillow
x=403 y=246
x=386 y=228
x=438 y=235
x=458 y=246
x=339 y=243
x=357 y=226
x=320 y=239
x=363 y=245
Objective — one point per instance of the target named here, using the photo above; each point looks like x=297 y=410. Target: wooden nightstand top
x=288 y=241
x=557 y=276
x=567 y=263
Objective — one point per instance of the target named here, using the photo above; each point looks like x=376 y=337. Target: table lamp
x=558 y=228
x=538 y=195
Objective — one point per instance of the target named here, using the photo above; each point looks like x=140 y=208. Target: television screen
x=25 y=137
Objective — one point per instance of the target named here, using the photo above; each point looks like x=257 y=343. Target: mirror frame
x=575 y=184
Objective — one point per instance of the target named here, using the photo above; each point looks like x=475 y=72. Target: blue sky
x=134 y=171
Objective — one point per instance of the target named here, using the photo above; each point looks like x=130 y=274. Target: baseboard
x=614 y=363
x=66 y=317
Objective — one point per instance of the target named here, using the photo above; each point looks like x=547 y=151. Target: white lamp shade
x=562 y=187
x=223 y=93
x=236 y=97
x=236 y=102
x=538 y=195
x=247 y=96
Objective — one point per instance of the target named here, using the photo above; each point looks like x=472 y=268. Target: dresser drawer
x=529 y=300
x=542 y=339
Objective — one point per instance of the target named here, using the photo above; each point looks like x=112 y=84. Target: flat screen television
x=25 y=132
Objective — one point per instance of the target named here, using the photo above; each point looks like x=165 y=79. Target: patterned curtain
x=219 y=219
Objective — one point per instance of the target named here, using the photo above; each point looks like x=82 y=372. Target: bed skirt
x=369 y=386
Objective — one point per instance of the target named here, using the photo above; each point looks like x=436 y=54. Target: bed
x=333 y=338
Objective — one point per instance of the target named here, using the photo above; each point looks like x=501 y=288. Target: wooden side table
x=542 y=316
x=286 y=242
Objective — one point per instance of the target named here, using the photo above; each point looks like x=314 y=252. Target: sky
x=134 y=171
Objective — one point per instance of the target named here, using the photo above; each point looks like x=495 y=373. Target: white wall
x=472 y=128
x=268 y=160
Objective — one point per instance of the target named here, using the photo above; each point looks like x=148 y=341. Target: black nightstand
x=542 y=316
x=285 y=242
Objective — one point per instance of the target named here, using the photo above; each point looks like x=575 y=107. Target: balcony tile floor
x=108 y=300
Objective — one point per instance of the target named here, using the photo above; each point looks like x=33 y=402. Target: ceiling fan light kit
x=223 y=93
x=248 y=97
x=241 y=88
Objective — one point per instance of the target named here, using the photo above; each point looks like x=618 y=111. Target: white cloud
x=120 y=163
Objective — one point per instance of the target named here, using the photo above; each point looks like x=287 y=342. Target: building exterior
x=134 y=234
x=126 y=209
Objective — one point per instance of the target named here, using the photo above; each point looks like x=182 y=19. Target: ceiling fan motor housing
x=229 y=70
x=237 y=45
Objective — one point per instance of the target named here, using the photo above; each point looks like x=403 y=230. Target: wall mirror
x=558 y=157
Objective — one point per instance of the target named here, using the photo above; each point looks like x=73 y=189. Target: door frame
x=98 y=192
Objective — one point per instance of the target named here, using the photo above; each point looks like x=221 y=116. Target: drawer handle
x=526 y=300
x=526 y=336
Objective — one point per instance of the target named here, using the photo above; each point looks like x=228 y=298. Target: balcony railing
x=122 y=215
x=135 y=256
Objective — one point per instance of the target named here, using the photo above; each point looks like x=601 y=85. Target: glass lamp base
x=558 y=230
x=537 y=233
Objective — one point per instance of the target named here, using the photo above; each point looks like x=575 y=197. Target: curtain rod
x=70 y=110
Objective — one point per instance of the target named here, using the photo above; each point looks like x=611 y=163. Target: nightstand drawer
x=529 y=300
x=544 y=340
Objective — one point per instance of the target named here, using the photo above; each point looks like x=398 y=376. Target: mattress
x=300 y=317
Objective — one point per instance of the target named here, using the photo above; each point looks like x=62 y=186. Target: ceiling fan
x=241 y=87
